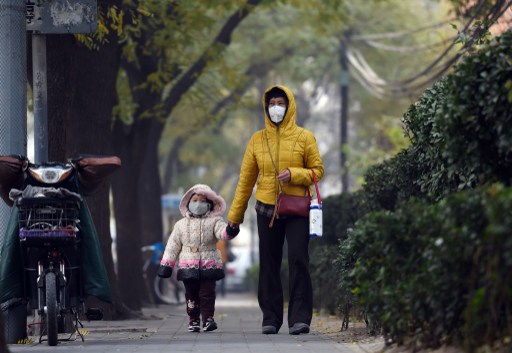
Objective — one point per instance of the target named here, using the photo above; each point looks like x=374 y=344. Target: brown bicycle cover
x=92 y=171
x=11 y=175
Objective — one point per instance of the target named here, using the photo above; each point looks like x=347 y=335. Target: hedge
x=430 y=257
x=436 y=274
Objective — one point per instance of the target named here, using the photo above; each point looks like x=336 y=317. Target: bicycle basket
x=46 y=218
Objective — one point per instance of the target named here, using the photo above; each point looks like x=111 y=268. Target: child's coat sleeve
x=220 y=230
x=173 y=248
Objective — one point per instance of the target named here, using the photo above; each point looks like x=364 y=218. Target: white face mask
x=276 y=113
x=198 y=208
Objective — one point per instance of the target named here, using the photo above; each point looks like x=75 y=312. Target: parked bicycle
x=160 y=290
x=51 y=258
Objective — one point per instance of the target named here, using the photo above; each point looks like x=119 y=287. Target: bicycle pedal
x=94 y=314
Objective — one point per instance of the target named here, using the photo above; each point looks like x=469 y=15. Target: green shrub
x=488 y=315
x=459 y=127
x=340 y=212
x=432 y=175
x=324 y=280
x=432 y=274
x=392 y=181
x=475 y=118
x=435 y=273
x=252 y=278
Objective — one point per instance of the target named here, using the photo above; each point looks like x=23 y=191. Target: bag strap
x=316 y=187
x=276 y=206
x=272 y=159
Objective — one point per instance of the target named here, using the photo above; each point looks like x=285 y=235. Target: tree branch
x=218 y=45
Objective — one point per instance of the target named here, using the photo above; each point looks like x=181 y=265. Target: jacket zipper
x=278 y=143
x=278 y=146
x=198 y=247
x=200 y=232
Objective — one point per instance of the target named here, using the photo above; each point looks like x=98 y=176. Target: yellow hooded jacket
x=292 y=147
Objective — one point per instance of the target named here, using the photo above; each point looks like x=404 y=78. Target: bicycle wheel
x=51 y=309
x=168 y=291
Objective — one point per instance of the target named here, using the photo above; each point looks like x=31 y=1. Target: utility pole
x=39 y=89
x=44 y=18
x=13 y=95
x=344 y=81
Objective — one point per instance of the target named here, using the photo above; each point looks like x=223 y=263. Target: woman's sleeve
x=248 y=175
x=312 y=162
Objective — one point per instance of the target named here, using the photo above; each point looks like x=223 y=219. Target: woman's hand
x=232 y=232
x=285 y=176
x=233 y=225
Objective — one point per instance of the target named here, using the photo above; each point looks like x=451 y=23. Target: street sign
x=61 y=16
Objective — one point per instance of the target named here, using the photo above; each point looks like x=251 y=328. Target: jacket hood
x=289 y=118
x=219 y=205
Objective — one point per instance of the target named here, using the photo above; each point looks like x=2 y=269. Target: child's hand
x=164 y=271
x=232 y=231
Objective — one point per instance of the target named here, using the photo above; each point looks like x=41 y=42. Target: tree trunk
x=81 y=96
x=136 y=200
x=170 y=165
x=129 y=144
x=150 y=190
x=61 y=90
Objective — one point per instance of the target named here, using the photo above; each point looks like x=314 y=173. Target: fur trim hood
x=219 y=205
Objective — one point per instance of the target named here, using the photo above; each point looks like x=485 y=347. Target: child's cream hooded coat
x=192 y=244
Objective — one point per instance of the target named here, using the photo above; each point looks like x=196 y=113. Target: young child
x=192 y=247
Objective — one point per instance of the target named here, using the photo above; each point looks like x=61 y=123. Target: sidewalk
x=165 y=330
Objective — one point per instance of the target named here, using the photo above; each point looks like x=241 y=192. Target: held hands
x=232 y=230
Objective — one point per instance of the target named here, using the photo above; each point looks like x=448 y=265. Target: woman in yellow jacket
x=281 y=155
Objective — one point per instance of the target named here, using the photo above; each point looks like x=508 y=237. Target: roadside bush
x=488 y=315
x=392 y=182
x=435 y=274
x=252 y=278
x=340 y=212
x=476 y=115
x=432 y=273
x=459 y=126
x=432 y=176
x=324 y=280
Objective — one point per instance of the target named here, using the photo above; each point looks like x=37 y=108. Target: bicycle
x=159 y=290
x=52 y=256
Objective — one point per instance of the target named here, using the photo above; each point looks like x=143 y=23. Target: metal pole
x=13 y=95
x=40 y=98
x=344 y=80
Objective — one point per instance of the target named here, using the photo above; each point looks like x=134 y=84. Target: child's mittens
x=232 y=232
x=164 y=271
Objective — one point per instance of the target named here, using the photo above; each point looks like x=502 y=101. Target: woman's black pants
x=270 y=290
